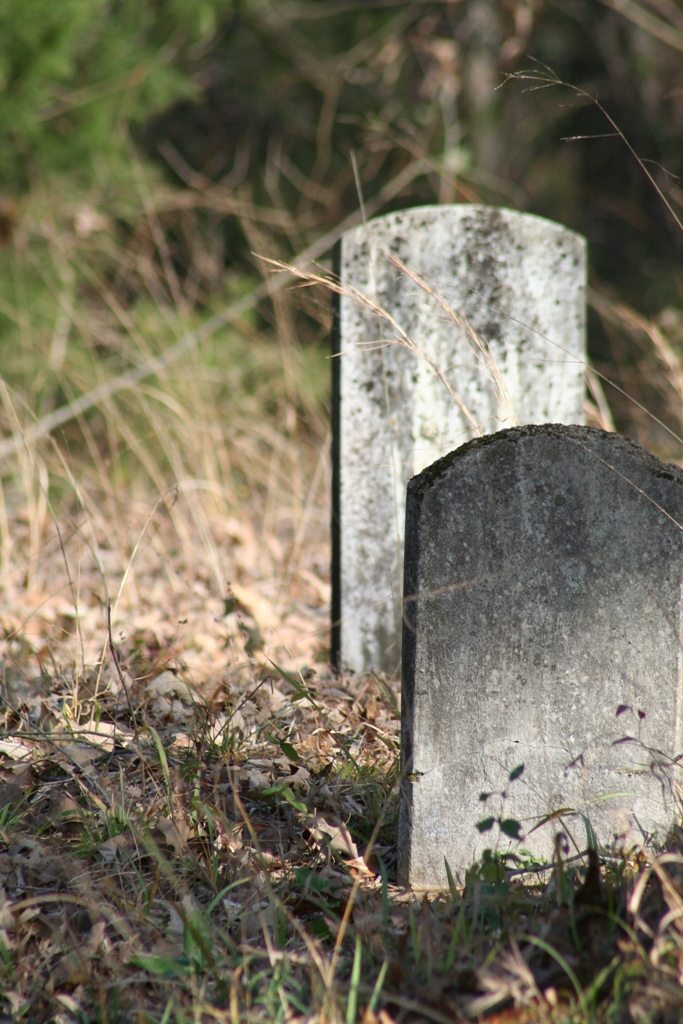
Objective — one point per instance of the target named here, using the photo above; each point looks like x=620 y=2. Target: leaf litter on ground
x=198 y=819
x=211 y=833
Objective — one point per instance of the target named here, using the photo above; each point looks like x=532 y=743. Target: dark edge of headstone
x=411 y=565
x=335 y=568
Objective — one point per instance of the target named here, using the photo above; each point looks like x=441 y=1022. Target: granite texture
x=491 y=335
x=543 y=574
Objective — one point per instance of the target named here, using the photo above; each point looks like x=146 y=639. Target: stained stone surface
x=416 y=384
x=543 y=605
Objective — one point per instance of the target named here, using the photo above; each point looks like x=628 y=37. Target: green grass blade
x=163 y=760
x=378 y=987
x=352 y=1003
x=547 y=948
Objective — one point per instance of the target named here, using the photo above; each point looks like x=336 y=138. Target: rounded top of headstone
x=597 y=442
x=474 y=218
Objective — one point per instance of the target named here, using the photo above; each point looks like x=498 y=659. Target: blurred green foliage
x=154 y=146
x=75 y=74
x=273 y=96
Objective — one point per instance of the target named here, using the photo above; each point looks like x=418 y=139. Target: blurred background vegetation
x=149 y=148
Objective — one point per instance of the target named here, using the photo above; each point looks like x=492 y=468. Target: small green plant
x=509 y=827
x=10 y=817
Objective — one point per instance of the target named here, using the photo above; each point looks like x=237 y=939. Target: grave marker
x=543 y=575
x=520 y=282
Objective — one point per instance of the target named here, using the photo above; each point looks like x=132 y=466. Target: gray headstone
x=420 y=380
x=543 y=575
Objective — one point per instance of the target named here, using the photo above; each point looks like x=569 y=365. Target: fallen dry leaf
x=337 y=834
x=122 y=846
x=169 y=684
x=16 y=749
x=175 y=833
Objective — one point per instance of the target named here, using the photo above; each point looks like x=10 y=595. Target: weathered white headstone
x=543 y=576
x=420 y=380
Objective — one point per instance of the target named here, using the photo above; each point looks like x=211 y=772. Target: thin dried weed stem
x=400 y=338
